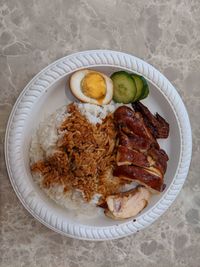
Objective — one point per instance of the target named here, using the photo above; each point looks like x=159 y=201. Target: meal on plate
x=101 y=151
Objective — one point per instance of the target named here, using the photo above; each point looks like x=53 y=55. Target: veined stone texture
x=33 y=34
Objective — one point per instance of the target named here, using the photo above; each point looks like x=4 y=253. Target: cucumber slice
x=146 y=92
x=139 y=85
x=124 y=87
x=142 y=87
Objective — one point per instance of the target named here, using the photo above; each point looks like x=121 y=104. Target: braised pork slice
x=128 y=204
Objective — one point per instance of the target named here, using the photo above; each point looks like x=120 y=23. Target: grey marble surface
x=33 y=34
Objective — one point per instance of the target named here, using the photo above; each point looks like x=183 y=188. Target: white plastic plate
x=44 y=94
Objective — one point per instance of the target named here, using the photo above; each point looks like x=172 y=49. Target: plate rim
x=171 y=95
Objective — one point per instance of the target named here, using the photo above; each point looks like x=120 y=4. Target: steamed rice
x=43 y=144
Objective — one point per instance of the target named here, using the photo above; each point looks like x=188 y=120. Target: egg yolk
x=93 y=85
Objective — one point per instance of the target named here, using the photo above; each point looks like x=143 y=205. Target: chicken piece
x=126 y=156
x=139 y=157
x=129 y=122
x=156 y=154
x=153 y=160
x=160 y=158
x=136 y=125
x=122 y=112
x=133 y=141
x=127 y=204
x=150 y=177
x=158 y=126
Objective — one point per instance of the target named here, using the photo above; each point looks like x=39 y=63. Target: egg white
x=75 y=86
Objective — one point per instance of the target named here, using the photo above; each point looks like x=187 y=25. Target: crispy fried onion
x=85 y=157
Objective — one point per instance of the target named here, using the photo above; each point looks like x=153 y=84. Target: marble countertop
x=164 y=33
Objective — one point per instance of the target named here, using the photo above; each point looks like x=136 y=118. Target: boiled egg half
x=91 y=87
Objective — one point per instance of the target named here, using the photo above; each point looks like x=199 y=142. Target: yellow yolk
x=93 y=85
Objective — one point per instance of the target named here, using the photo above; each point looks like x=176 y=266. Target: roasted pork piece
x=139 y=157
x=127 y=204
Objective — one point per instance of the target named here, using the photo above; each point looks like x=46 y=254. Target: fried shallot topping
x=85 y=157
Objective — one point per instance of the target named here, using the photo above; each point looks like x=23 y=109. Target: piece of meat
x=162 y=129
x=129 y=122
x=135 y=125
x=126 y=156
x=160 y=157
x=145 y=176
x=128 y=204
x=134 y=141
x=122 y=112
x=139 y=157
x=158 y=126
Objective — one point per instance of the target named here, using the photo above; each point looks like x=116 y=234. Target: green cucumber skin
x=139 y=85
x=145 y=89
x=123 y=93
x=146 y=93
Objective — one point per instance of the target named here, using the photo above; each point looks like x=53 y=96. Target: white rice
x=45 y=137
x=95 y=114
x=71 y=201
x=43 y=144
